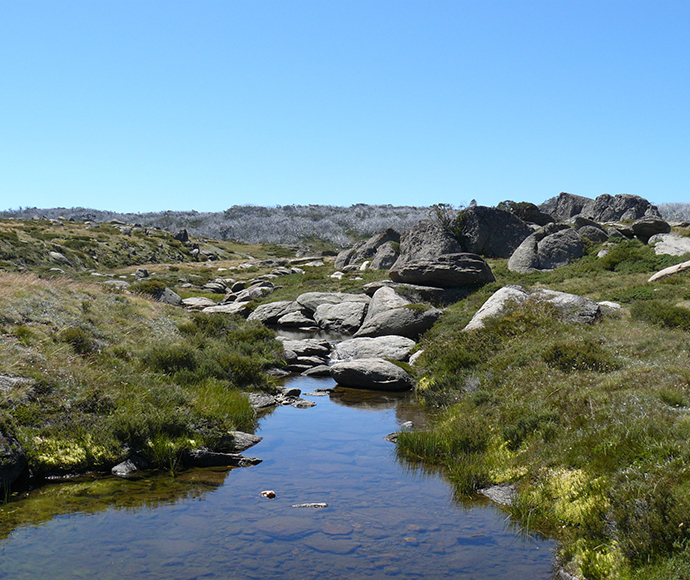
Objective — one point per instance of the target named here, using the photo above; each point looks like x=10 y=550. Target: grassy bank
x=116 y=373
x=591 y=423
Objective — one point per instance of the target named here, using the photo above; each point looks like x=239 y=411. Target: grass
x=119 y=373
x=590 y=423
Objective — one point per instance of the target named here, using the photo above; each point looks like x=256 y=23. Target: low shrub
x=79 y=339
x=579 y=355
x=662 y=314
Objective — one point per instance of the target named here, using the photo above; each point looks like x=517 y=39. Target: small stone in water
x=310 y=505
x=269 y=493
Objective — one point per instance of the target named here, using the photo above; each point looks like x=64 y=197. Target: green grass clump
x=582 y=355
x=661 y=313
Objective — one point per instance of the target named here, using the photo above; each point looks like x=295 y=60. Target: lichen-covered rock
x=343 y=317
x=271 y=312
x=426 y=241
x=385 y=257
x=312 y=300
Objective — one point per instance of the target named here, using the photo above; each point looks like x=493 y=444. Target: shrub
x=170 y=358
x=662 y=314
x=580 y=355
x=151 y=287
x=80 y=340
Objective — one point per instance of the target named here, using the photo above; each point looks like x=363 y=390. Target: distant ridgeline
x=289 y=224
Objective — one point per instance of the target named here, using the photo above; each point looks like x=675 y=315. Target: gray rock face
x=371 y=246
x=646 y=227
x=12 y=460
x=253 y=293
x=308 y=347
x=602 y=209
x=58 y=257
x=344 y=258
x=444 y=271
x=130 y=467
x=271 y=312
x=426 y=241
x=170 y=297
x=550 y=247
x=410 y=321
x=239 y=441
x=670 y=244
x=386 y=347
x=296 y=319
x=371 y=373
x=198 y=302
x=416 y=293
x=384 y=299
x=621 y=207
x=565 y=206
x=571 y=307
x=596 y=235
x=492 y=232
x=527 y=212
x=343 y=317
x=385 y=257
x=216 y=286
x=312 y=300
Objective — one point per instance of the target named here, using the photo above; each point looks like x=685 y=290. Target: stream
x=384 y=519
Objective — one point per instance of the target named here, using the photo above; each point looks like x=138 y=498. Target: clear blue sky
x=155 y=105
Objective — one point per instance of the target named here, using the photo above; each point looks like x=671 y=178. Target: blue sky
x=146 y=105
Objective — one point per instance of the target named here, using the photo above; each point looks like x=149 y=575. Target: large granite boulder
x=13 y=461
x=444 y=271
x=417 y=293
x=366 y=250
x=386 y=256
x=491 y=232
x=384 y=299
x=386 y=347
x=271 y=312
x=571 y=307
x=312 y=300
x=411 y=321
x=344 y=258
x=590 y=230
x=426 y=240
x=649 y=226
x=551 y=247
x=565 y=206
x=237 y=308
x=371 y=373
x=343 y=317
x=307 y=347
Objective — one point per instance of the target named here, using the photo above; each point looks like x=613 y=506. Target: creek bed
x=383 y=520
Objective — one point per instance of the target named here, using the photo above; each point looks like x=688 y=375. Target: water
x=383 y=520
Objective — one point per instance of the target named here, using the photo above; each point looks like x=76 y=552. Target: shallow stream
x=383 y=520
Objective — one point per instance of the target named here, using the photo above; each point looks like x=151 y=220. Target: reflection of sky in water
x=382 y=521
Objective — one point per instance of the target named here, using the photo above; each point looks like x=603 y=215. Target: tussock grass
x=117 y=373
x=591 y=424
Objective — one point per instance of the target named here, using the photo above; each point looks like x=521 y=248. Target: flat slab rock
x=206 y=458
x=391 y=347
x=444 y=271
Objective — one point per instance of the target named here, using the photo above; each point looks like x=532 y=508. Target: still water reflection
x=382 y=520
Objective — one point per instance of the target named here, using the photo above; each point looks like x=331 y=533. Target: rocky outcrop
x=426 y=241
x=551 y=247
x=589 y=229
x=604 y=208
x=384 y=299
x=371 y=373
x=238 y=308
x=168 y=296
x=367 y=250
x=386 y=347
x=385 y=257
x=410 y=321
x=647 y=227
x=444 y=271
x=571 y=307
x=271 y=312
x=491 y=232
